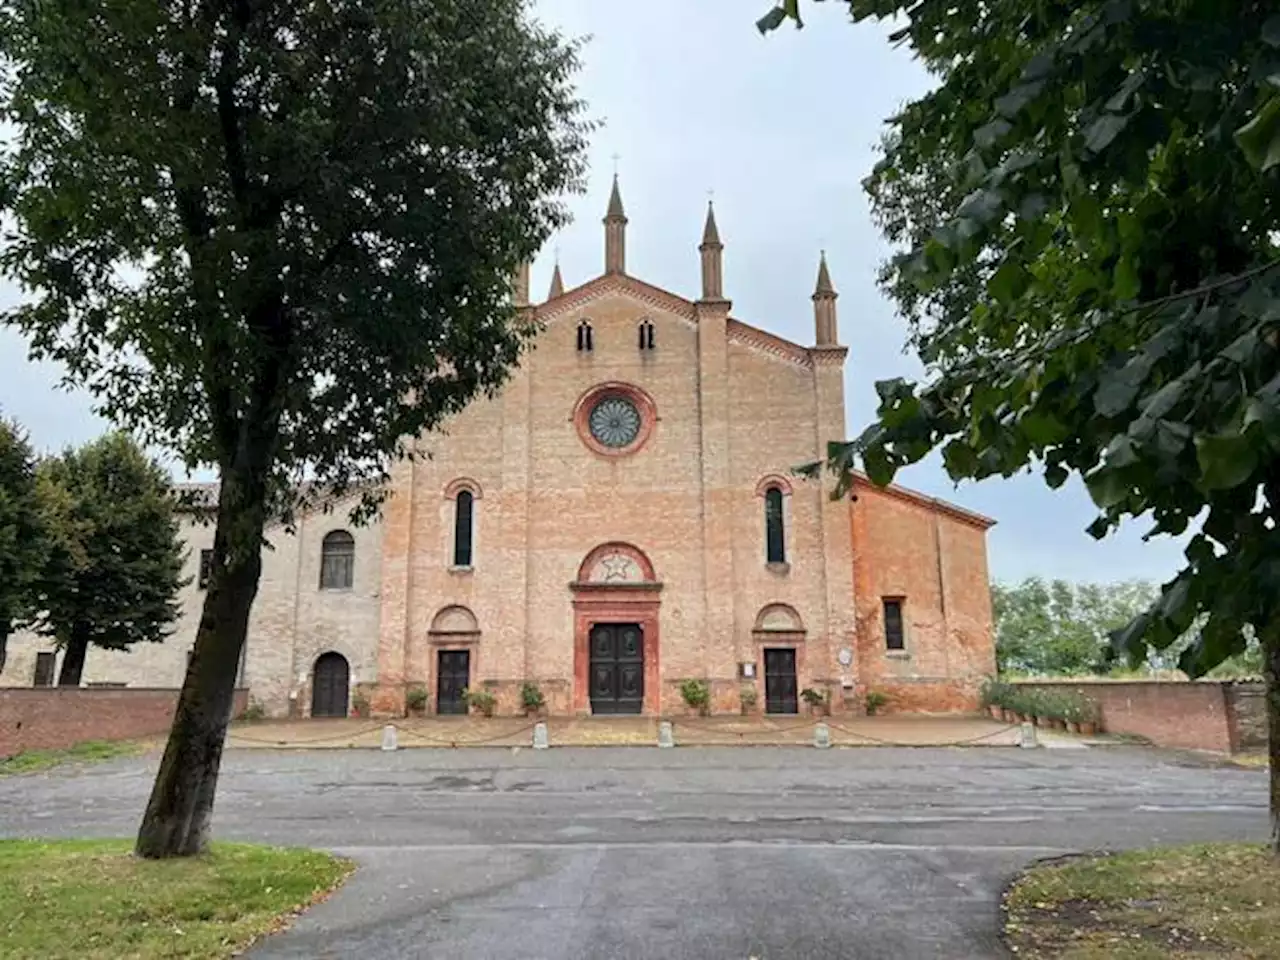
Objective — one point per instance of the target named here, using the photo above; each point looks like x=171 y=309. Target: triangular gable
x=612 y=284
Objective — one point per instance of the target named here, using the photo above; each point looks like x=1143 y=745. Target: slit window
x=894 y=634
x=646 y=334
x=464 y=516
x=44 y=669
x=775 y=539
x=584 y=336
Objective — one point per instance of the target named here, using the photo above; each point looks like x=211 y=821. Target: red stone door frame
x=596 y=601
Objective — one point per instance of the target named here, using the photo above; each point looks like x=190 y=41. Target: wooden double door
x=780 y=680
x=453 y=676
x=617 y=668
x=330 y=686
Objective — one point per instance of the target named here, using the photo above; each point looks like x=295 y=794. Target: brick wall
x=1199 y=715
x=51 y=718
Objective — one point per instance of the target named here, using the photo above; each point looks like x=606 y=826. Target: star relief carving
x=617 y=567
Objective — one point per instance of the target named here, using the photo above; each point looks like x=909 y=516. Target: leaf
x=1055 y=475
x=1271 y=31
x=1103 y=130
x=1016 y=99
x=879 y=469
x=1127 y=285
x=772 y=20
x=1008 y=282
x=1226 y=460
x=1127 y=89
x=1107 y=487
x=1260 y=137
x=1128 y=639
x=989 y=135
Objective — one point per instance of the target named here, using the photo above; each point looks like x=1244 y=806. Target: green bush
x=748 y=695
x=481 y=700
x=531 y=696
x=254 y=712
x=360 y=705
x=814 y=698
x=416 y=698
x=697 y=694
x=874 y=701
x=997 y=693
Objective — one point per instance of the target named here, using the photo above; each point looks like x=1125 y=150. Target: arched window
x=775 y=540
x=584 y=336
x=646 y=334
x=463 y=521
x=337 y=561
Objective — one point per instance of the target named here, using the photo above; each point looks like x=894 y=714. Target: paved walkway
x=636 y=731
x=778 y=853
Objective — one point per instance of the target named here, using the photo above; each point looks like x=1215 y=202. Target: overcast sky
x=782 y=129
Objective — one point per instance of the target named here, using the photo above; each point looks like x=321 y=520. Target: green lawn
x=30 y=761
x=1220 y=900
x=80 y=899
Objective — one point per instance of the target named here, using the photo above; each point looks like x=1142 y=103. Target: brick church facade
x=620 y=518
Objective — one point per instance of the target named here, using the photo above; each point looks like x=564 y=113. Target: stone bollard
x=821 y=736
x=1027 y=737
x=540 y=741
x=389 y=740
x=666 y=736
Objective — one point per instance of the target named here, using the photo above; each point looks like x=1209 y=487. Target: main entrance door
x=329 y=686
x=453 y=676
x=780 y=681
x=617 y=668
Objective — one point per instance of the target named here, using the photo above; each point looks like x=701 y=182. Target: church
x=621 y=518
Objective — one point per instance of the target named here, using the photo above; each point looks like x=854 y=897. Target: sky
x=693 y=102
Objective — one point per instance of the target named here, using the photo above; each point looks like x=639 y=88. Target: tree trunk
x=1271 y=657
x=73 y=660
x=176 y=823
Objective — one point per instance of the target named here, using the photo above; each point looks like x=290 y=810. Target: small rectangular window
x=44 y=669
x=206 y=569
x=894 y=637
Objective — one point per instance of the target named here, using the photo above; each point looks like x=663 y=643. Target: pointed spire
x=615 y=233
x=824 y=307
x=557 y=283
x=615 y=211
x=824 y=287
x=710 y=233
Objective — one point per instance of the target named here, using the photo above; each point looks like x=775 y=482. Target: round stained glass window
x=614 y=422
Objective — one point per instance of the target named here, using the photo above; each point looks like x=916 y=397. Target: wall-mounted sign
x=845 y=656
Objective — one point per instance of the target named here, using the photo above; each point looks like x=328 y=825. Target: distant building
x=620 y=518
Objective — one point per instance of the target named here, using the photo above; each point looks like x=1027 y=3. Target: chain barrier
x=456 y=742
x=236 y=735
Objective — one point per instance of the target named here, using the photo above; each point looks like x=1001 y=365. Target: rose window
x=614 y=422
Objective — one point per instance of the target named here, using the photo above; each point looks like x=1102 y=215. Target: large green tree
x=1100 y=294
x=113 y=563
x=1060 y=628
x=21 y=542
x=276 y=237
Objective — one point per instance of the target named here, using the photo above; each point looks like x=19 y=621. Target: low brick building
x=620 y=518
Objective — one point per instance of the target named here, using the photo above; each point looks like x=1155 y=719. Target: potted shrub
x=748 y=697
x=415 y=700
x=874 y=701
x=360 y=705
x=696 y=695
x=995 y=694
x=1090 y=717
x=532 y=699
x=816 y=700
x=481 y=701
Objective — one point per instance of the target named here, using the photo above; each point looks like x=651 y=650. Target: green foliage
x=1060 y=628
x=255 y=712
x=114 y=555
x=696 y=694
x=481 y=700
x=531 y=697
x=360 y=705
x=88 y=751
x=748 y=695
x=995 y=692
x=22 y=544
x=416 y=698
x=874 y=700
x=1096 y=282
x=814 y=698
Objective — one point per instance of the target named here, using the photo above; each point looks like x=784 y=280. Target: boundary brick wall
x=1223 y=716
x=53 y=718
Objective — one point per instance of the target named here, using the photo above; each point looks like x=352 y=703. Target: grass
x=31 y=761
x=86 y=899
x=1220 y=900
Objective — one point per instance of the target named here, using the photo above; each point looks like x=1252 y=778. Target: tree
x=1061 y=628
x=114 y=555
x=21 y=543
x=1114 y=174
x=278 y=238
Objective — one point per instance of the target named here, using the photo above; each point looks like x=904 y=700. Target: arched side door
x=329 y=686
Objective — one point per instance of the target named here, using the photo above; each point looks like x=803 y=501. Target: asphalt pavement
x=706 y=853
